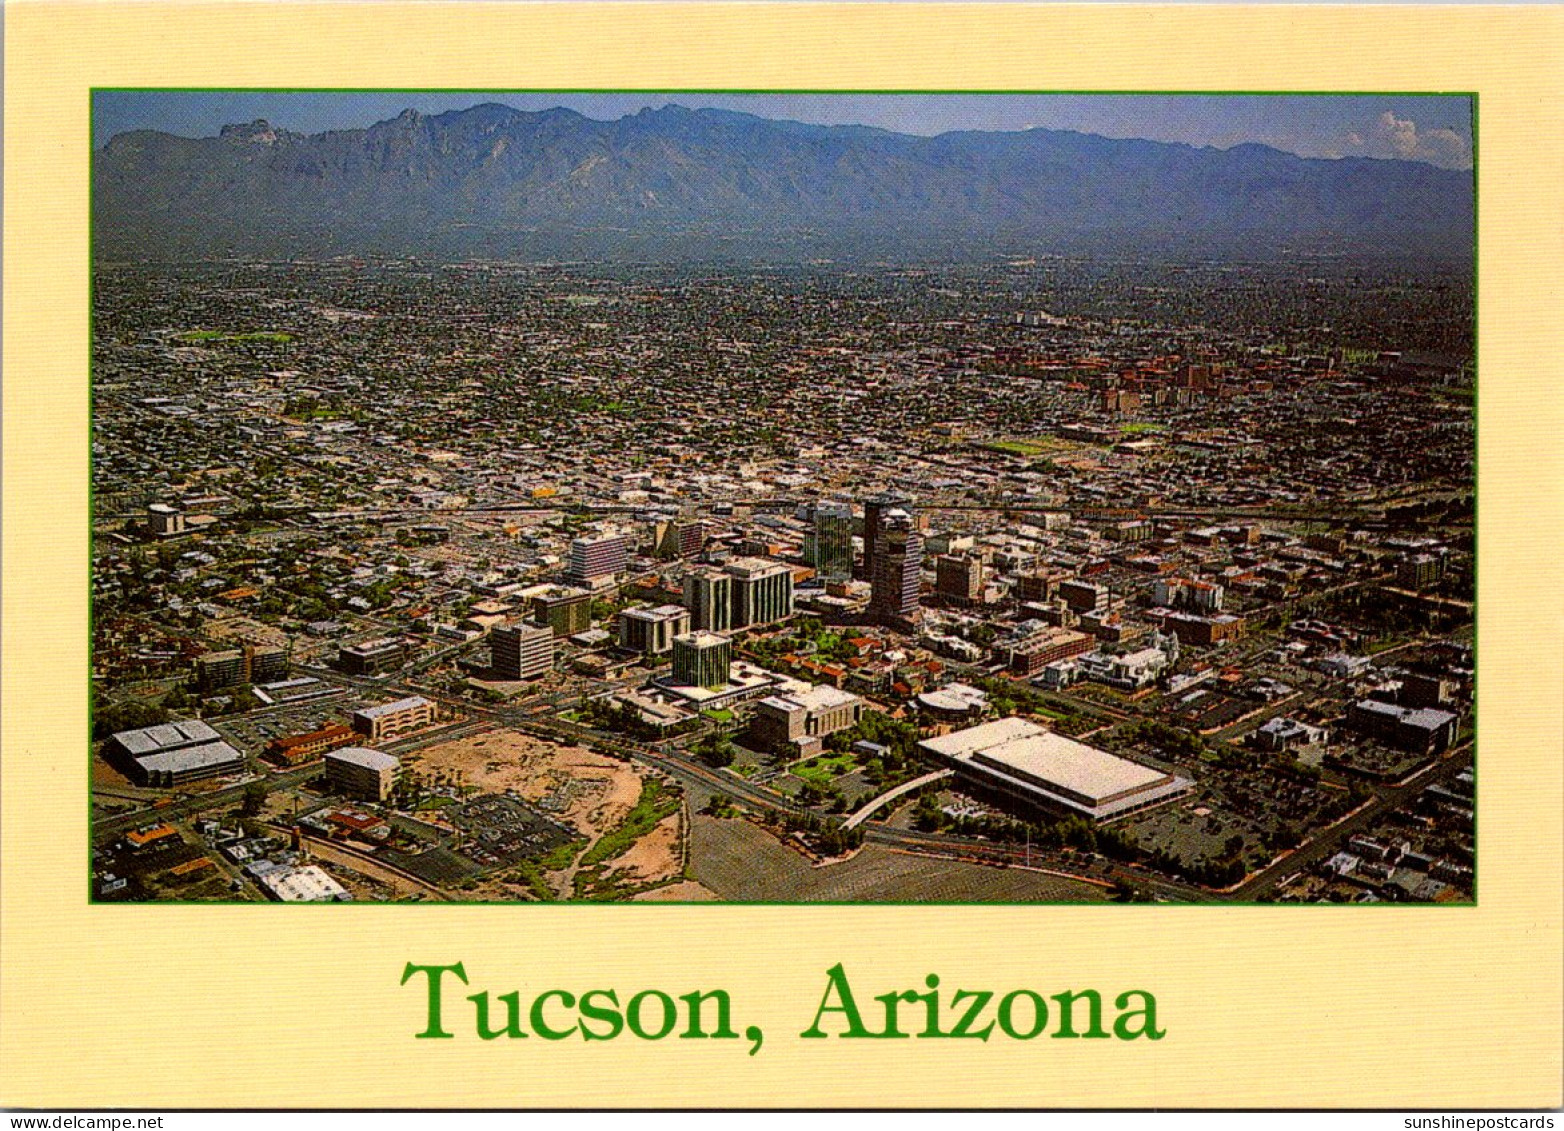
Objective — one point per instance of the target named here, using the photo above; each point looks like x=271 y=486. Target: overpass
x=887 y=797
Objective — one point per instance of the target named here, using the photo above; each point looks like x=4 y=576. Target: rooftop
x=190 y=758
x=1021 y=752
x=166 y=736
x=363 y=756
x=410 y=703
x=701 y=639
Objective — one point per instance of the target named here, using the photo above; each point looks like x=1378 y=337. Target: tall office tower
x=708 y=594
x=651 y=631
x=217 y=670
x=692 y=537
x=702 y=659
x=959 y=577
x=521 y=651
x=596 y=559
x=267 y=663
x=833 y=541
x=893 y=593
x=874 y=509
x=762 y=591
x=566 y=611
x=679 y=538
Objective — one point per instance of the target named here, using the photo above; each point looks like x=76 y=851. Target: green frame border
x=1471 y=95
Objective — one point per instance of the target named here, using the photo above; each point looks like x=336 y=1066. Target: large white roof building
x=1028 y=762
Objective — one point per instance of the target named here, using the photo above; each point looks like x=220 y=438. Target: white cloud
x=1393 y=137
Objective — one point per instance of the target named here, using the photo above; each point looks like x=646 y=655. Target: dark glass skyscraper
x=833 y=541
x=874 y=509
x=897 y=564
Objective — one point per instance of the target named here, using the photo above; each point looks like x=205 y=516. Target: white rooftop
x=191 y=758
x=302 y=885
x=822 y=697
x=392 y=708
x=365 y=757
x=954 y=697
x=660 y=613
x=166 y=736
x=1022 y=750
x=701 y=639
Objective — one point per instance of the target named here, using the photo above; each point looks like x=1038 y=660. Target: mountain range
x=495 y=182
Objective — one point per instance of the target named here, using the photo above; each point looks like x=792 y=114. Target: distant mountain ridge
x=499 y=182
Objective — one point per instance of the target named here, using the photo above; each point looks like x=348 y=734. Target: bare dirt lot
x=688 y=891
x=651 y=856
x=738 y=861
x=588 y=791
x=592 y=792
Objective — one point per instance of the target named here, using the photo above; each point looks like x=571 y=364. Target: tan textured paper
x=158 y=1005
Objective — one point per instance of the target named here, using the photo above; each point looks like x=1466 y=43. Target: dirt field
x=594 y=793
x=597 y=792
x=686 y=892
x=740 y=862
x=653 y=857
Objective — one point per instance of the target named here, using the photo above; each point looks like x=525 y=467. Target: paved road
x=105 y=827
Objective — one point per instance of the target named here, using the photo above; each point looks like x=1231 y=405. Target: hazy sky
x=1436 y=129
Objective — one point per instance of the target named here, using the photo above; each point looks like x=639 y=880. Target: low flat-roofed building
x=1284 y=734
x=1032 y=654
x=1023 y=761
x=300 y=689
x=189 y=763
x=141 y=838
x=389 y=719
x=652 y=711
x=360 y=772
x=745 y=681
x=954 y=701
x=1130 y=672
x=307 y=884
x=1192 y=629
x=173 y=753
x=1417 y=730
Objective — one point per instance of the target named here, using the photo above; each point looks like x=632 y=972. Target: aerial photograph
x=692 y=497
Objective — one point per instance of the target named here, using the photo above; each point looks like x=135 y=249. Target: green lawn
x=1014 y=447
x=824 y=770
x=1142 y=426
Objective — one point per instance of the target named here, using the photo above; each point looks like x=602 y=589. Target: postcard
x=642 y=555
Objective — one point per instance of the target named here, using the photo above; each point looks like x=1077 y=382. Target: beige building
x=390 y=719
x=369 y=774
x=651 y=631
x=801 y=719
